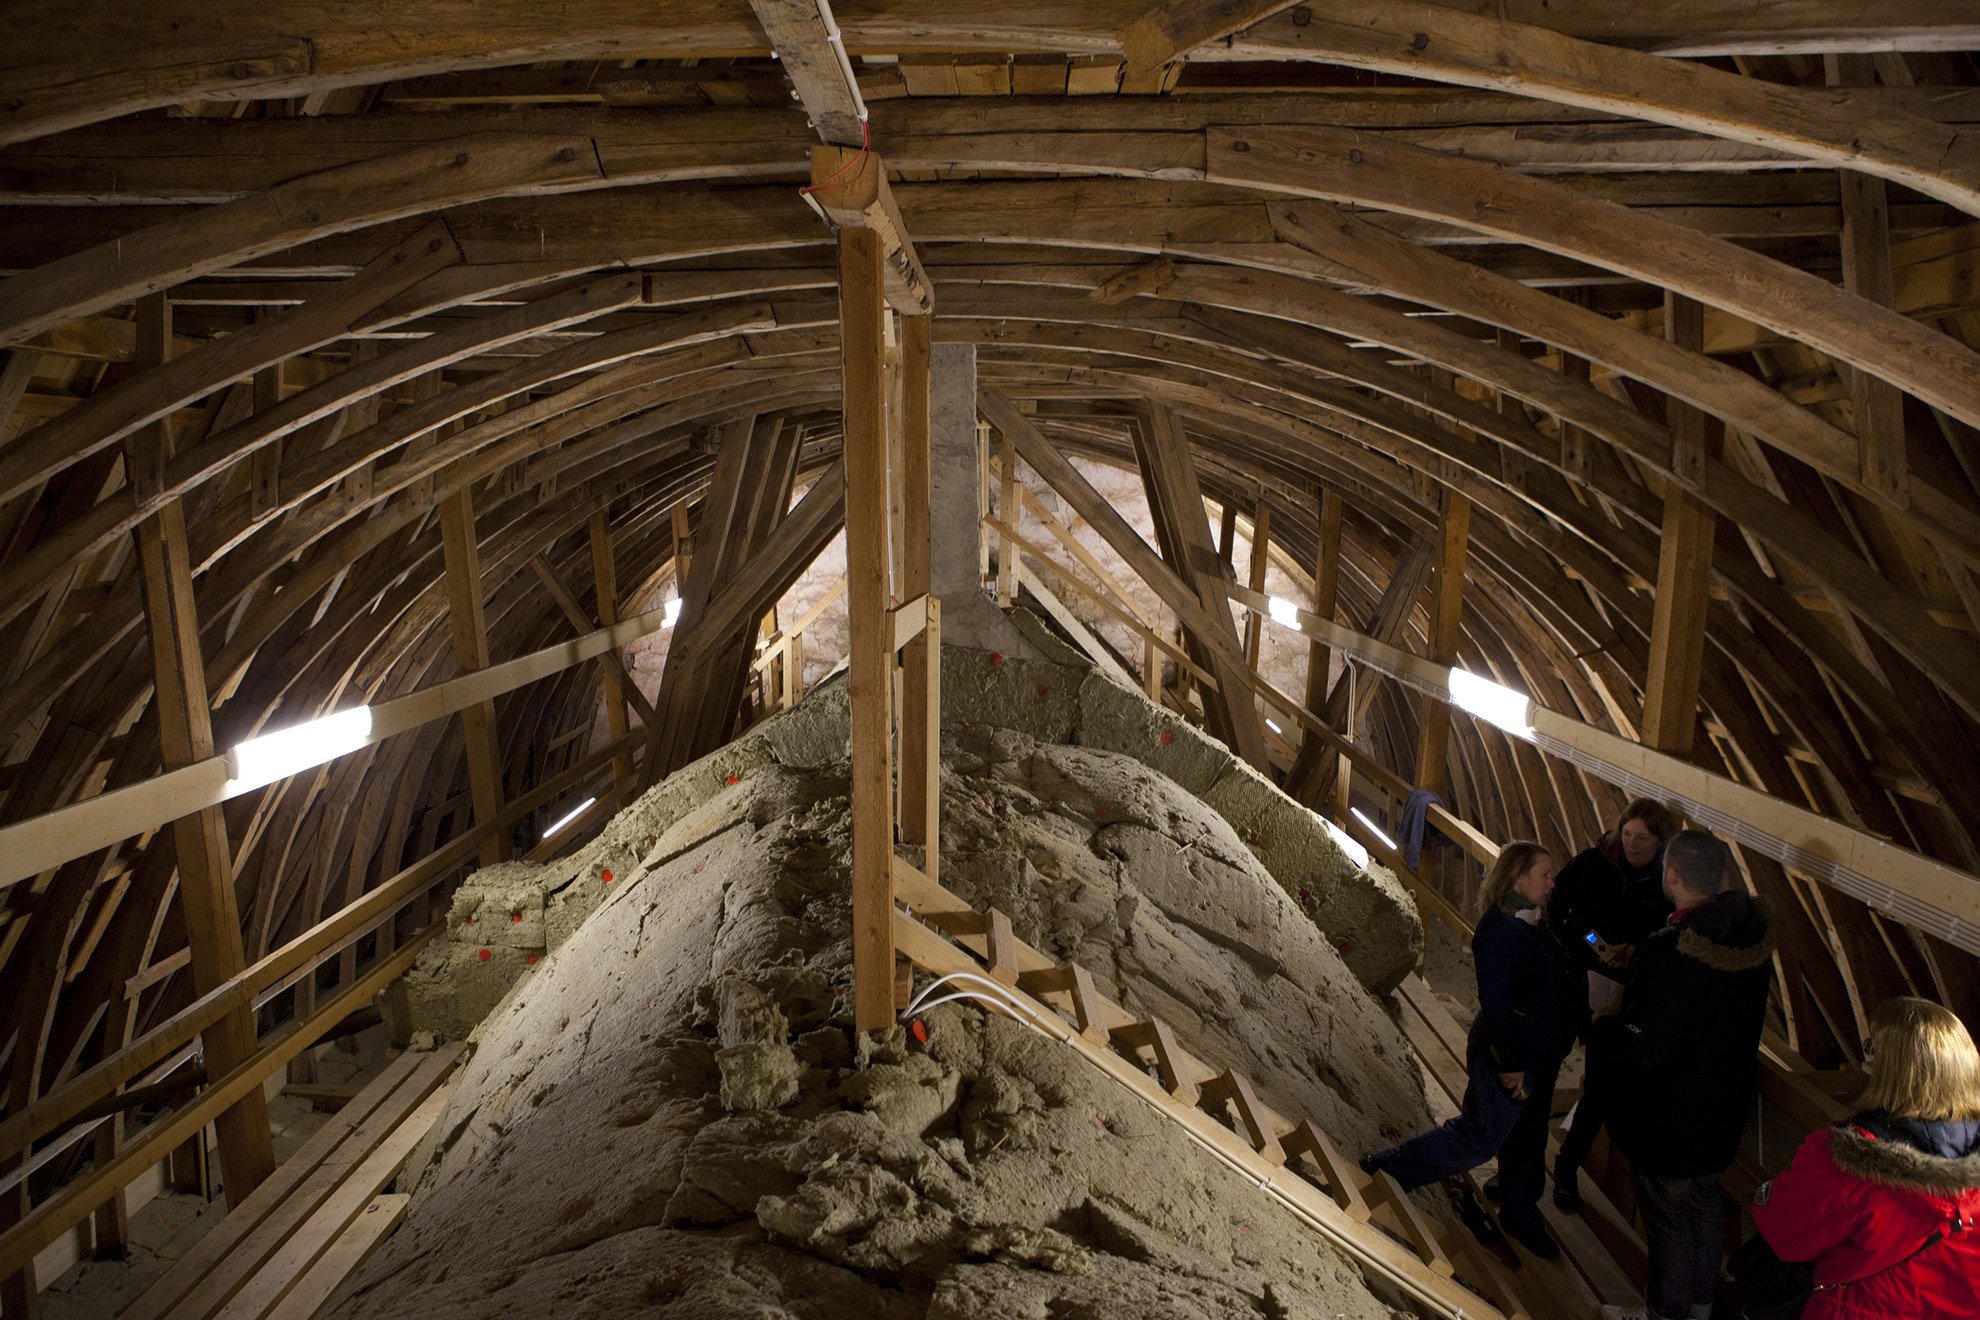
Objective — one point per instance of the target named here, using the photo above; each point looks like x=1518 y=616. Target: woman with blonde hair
x=1884 y=1205
x=1528 y=1010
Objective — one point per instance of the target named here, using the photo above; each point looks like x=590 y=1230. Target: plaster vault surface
x=667 y=1110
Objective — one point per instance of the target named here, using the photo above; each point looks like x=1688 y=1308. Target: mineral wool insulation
x=665 y=1109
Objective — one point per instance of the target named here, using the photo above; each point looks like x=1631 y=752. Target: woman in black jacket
x=1614 y=892
x=1529 y=1005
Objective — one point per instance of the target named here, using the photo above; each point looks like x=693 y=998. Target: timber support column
x=870 y=660
x=1447 y=595
x=605 y=581
x=921 y=660
x=185 y=736
x=1684 y=567
x=463 y=556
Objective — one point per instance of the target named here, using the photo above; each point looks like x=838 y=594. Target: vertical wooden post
x=185 y=735
x=1326 y=588
x=265 y=465
x=870 y=659
x=464 y=593
x=1011 y=514
x=683 y=548
x=605 y=581
x=982 y=503
x=1453 y=533
x=921 y=661
x=1261 y=539
x=896 y=474
x=1866 y=263
x=1684 y=568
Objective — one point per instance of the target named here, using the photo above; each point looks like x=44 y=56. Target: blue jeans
x=1491 y=1123
x=1684 y=1222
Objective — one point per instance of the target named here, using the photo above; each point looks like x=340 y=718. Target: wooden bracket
x=1235 y=1087
x=849 y=189
x=1154 y=1033
x=1415 y=1229
x=1343 y=1182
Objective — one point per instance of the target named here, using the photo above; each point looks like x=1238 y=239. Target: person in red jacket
x=1885 y=1204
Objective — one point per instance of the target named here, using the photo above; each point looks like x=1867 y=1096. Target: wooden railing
x=280 y=969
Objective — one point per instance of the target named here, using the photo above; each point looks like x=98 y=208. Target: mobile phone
x=1591 y=938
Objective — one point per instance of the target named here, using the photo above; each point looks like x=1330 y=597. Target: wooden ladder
x=1439 y=1262
x=283 y=1251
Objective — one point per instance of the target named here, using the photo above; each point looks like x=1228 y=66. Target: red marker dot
x=1101 y=812
x=920 y=1031
x=1041 y=689
x=483 y=955
x=515 y=916
x=532 y=959
x=732 y=779
x=470 y=921
x=1167 y=737
x=1303 y=893
x=1346 y=945
x=698 y=866
x=996 y=658
x=607 y=875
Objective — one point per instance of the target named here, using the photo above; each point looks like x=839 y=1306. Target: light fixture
x=673 y=614
x=1492 y=702
x=1273 y=726
x=1375 y=829
x=278 y=755
x=575 y=812
x=1356 y=853
x=1282 y=611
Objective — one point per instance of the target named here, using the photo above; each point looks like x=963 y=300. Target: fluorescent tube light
x=575 y=812
x=1492 y=702
x=1356 y=853
x=1282 y=611
x=1274 y=727
x=1376 y=829
x=673 y=614
x=276 y=756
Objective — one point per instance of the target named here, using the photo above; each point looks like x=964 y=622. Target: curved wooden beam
x=1432 y=41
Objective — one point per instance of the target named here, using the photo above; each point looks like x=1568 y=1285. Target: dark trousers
x=1491 y=1123
x=1590 y=1113
x=1684 y=1221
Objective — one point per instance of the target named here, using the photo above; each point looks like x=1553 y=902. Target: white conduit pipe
x=1002 y=997
x=837 y=40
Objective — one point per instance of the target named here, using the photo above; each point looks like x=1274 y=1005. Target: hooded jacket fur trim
x=1699 y=947
x=1896 y=1164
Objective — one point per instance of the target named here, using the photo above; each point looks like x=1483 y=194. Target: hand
x=1514 y=1082
x=1620 y=954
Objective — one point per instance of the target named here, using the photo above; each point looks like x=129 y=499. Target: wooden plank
x=222 y=1260
x=1011 y=514
x=921 y=660
x=465 y=591
x=1234 y=1088
x=870 y=654
x=341 y=1260
x=1343 y=1180
x=1416 y=1229
x=287 y=1266
x=1446 y=624
x=1148 y=277
x=1001 y=956
x=78 y=1199
x=810 y=52
x=185 y=736
x=1170 y=1061
x=1066 y=619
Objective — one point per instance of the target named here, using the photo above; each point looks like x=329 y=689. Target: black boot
x=1567 y=1188
x=1528 y=1230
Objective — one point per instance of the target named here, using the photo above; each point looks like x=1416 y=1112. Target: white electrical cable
x=837 y=40
x=1003 y=997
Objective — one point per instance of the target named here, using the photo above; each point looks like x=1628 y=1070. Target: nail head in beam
x=849 y=189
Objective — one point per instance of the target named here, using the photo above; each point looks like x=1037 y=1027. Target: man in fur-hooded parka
x=1687 y=1045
